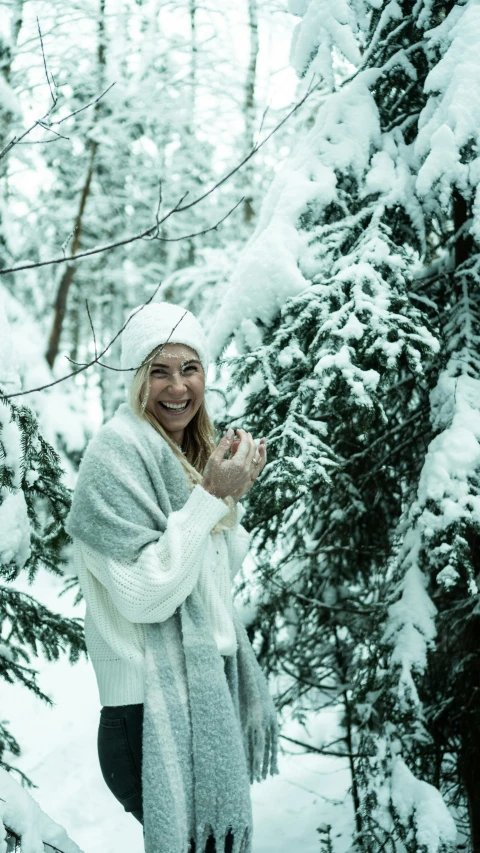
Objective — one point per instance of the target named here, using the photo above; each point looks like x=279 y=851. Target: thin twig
x=50 y=130
x=316 y=749
x=263 y=120
x=205 y=231
x=38 y=123
x=39 y=141
x=86 y=107
x=92 y=328
x=66 y=242
x=54 y=99
x=159 y=201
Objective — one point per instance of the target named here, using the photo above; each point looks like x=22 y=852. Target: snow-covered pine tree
x=33 y=506
x=427 y=675
x=355 y=291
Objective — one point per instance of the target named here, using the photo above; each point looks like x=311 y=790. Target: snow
x=451 y=118
x=411 y=621
x=451 y=458
x=61 y=412
x=9 y=378
x=434 y=824
x=14 y=522
x=9 y=102
x=453 y=454
x=21 y=813
x=6 y=652
x=15 y=527
x=274 y=264
x=327 y=25
x=381 y=176
x=12 y=444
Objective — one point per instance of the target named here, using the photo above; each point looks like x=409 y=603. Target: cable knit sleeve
x=152 y=587
x=238 y=543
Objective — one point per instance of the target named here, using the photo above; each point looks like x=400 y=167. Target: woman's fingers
x=243 y=448
x=234 y=447
x=224 y=444
x=248 y=448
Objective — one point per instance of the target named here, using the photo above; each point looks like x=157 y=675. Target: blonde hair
x=199 y=437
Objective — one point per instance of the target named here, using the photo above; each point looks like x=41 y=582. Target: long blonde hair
x=199 y=437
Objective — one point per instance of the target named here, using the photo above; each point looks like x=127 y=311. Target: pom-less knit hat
x=156 y=324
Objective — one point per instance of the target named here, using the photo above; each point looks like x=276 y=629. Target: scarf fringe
x=242 y=838
x=261 y=749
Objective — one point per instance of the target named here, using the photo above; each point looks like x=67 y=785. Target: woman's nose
x=176 y=379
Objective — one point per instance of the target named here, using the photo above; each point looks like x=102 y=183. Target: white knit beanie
x=156 y=324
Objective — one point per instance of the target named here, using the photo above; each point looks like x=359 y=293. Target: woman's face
x=177 y=388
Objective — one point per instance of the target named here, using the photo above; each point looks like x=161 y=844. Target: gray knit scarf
x=198 y=761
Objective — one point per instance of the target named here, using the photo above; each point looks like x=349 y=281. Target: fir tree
x=358 y=359
x=33 y=506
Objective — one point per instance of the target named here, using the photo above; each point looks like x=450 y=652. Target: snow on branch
x=449 y=126
x=27 y=824
x=327 y=26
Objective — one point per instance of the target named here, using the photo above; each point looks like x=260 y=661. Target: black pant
x=120 y=755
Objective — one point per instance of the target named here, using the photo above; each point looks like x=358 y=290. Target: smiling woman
x=187 y=721
x=177 y=388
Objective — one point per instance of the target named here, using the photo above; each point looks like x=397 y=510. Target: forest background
x=336 y=272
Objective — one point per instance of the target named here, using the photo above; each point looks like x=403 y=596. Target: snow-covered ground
x=59 y=755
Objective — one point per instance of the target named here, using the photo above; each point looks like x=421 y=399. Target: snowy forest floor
x=59 y=755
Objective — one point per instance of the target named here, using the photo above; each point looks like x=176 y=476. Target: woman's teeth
x=174 y=407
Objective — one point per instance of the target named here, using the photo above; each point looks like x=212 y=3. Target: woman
x=187 y=722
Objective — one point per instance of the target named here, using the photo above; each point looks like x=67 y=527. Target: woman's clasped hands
x=234 y=476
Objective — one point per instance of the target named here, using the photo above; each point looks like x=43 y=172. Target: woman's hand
x=234 y=476
x=258 y=463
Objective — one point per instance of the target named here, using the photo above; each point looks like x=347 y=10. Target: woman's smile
x=175 y=409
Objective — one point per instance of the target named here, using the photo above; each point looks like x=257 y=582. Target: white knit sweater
x=121 y=596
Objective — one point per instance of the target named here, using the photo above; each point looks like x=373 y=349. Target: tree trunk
x=464 y=242
x=66 y=279
x=69 y=271
x=7 y=52
x=469 y=756
x=249 y=110
x=348 y=726
x=190 y=128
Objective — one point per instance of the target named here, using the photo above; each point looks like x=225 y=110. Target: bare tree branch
x=86 y=107
x=92 y=328
x=90 y=363
x=41 y=123
x=54 y=98
x=98 y=356
x=316 y=749
x=178 y=208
